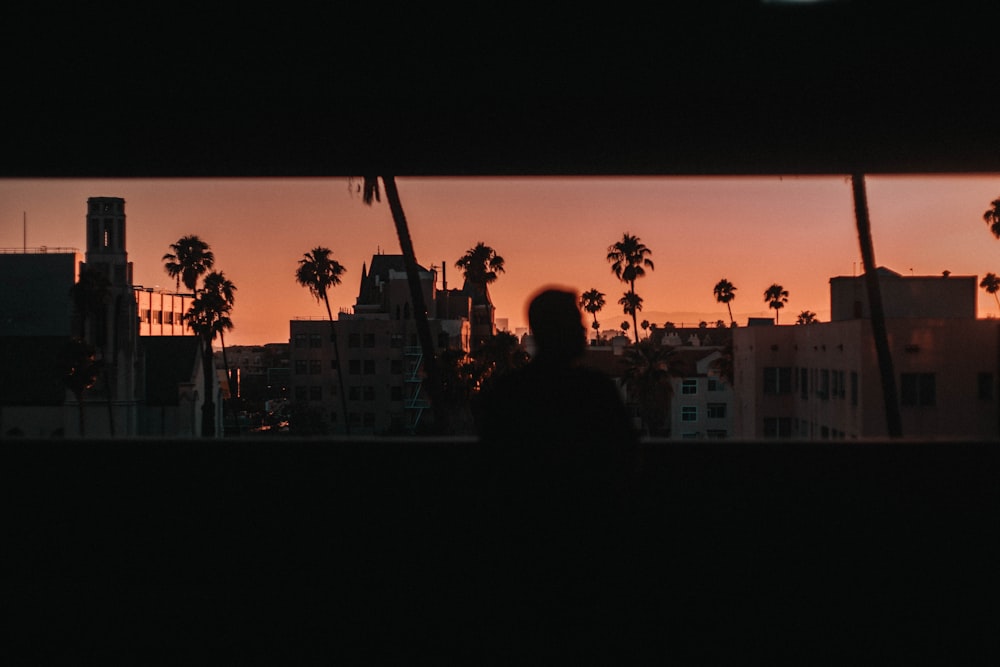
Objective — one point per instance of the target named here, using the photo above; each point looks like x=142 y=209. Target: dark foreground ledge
x=791 y=551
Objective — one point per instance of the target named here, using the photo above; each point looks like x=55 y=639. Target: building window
x=300 y=366
x=354 y=367
x=804 y=384
x=714 y=384
x=777 y=379
x=368 y=394
x=315 y=393
x=824 y=384
x=315 y=340
x=300 y=340
x=354 y=393
x=716 y=410
x=777 y=427
x=333 y=364
x=689 y=413
x=354 y=340
x=369 y=340
x=689 y=387
x=985 y=386
x=369 y=367
x=396 y=366
x=716 y=433
x=369 y=418
x=395 y=393
x=917 y=389
x=315 y=367
x=854 y=388
x=301 y=393
x=396 y=340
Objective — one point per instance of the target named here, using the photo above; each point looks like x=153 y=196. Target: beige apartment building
x=822 y=381
x=381 y=360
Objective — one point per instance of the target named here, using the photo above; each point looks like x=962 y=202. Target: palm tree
x=631 y=304
x=807 y=317
x=91 y=296
x=222 y=292
x=370 y=194
x=480 y=265
x=80 y=369
x=190 y=259
x=645 y=327
x=649 y=365
x=319 y=272
x=725 y=293
x=629 y=260
x=500 y=355
x=592 y=301
x=992 y=217
x=206 y=317
x=625 y=325
x=880 y=335
x=776 y=297
x=991 y=283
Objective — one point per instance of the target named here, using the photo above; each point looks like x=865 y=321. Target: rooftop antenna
x=24 y=227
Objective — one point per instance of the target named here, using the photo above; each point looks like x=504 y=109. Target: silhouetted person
x=556 y=411
x=558 y=450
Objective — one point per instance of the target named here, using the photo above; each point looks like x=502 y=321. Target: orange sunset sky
x=754 y=231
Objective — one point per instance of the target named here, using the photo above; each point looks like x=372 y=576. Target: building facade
x=822 y=381
x=133 y=393
x=381 y=365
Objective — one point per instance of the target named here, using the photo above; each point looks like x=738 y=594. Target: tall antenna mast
x=24 y=228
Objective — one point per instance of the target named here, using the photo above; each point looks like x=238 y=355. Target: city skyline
x=753 y=231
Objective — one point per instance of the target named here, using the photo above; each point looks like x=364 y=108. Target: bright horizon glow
x=798 y=231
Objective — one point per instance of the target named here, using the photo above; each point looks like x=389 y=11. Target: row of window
x=159 y=316
x=915 y=389
x=781 y=427
x=823 y=383
x=354 y=340
x=689 y=413
x=354 y=366
x=355 y=393
x=689 y=386
x=364 y=340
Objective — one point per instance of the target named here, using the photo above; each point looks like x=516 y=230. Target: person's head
x=557 y=324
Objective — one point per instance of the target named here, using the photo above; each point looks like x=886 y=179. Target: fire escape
x=414 y=403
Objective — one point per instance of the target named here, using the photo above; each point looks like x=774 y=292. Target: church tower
x=114 y=328
x=106 y=240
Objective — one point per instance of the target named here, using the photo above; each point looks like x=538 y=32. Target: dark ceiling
x=727 y=88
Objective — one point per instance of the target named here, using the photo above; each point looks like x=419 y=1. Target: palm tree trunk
x=730 y=308
x=892 y=417
x=635 y=317
x=208 y=405
x=340 y=371
x=417 y=296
